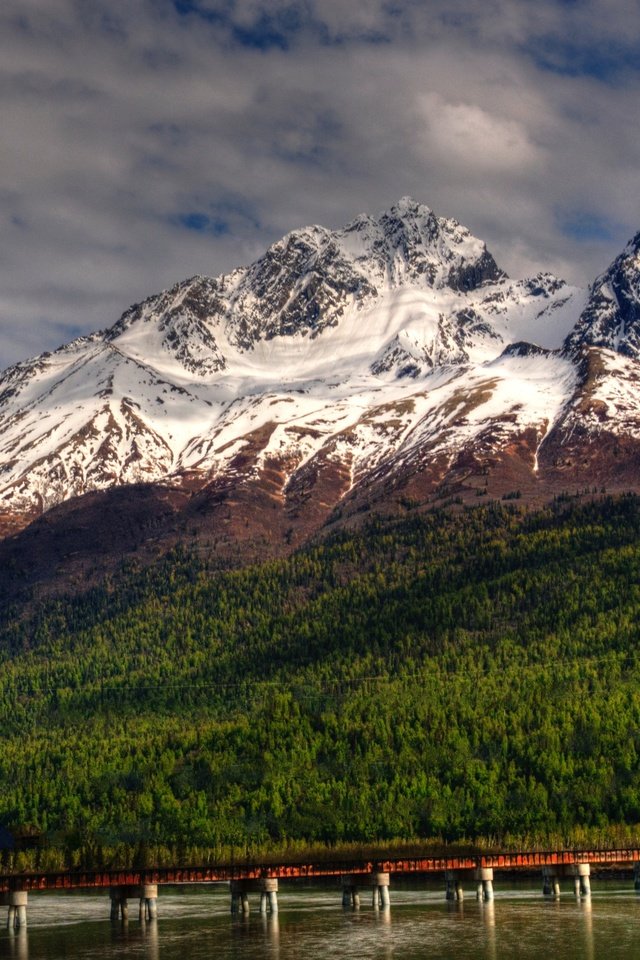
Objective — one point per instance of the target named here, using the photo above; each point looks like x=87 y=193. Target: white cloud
x=456 y=132
x=119 y=119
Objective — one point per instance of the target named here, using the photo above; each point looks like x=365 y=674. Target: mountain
x=390 y=365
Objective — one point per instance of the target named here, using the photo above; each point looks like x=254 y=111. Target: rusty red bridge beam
x=403 y=866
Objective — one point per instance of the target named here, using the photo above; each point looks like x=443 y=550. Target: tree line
x=453 y=677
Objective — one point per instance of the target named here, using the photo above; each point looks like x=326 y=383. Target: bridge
x=352 y=874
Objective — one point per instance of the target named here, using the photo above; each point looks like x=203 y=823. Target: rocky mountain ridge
x=389 y=363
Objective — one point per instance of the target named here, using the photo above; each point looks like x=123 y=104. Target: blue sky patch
x=203 y=223
x=588 y=227
x=605 y=62
x=268 y=30
x=280 y=29
x=218 y=218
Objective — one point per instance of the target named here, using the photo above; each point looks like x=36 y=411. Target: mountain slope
x=385 y=363
x=203 y=708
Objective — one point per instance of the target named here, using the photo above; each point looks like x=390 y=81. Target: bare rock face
x=611 y=318
x=387 y=364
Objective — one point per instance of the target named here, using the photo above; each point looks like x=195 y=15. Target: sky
x=146 y=141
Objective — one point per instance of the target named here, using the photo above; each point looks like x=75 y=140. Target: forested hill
x=447 y=676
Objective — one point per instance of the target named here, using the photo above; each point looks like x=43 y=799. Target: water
x=195 y=924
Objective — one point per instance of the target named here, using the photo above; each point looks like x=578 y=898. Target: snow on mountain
x=611 y=317
x=393 y=345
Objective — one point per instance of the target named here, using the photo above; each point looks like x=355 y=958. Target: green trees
x=445 y=675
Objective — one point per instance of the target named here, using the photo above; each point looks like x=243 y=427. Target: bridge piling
x=119 y=903
x=484 y=880
x=148 y=901
x=380 y=884
x=16 y=901
x=636 y=877
x=581 y=873
x=350 y=893
x=584 y=873
x=550 y=882
x=266 y=887
x=146 y=893
x=454 y=889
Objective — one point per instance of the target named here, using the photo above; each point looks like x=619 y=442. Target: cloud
x=456 y=132
x=143 y=143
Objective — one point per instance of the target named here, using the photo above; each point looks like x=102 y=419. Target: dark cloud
x=146 y=142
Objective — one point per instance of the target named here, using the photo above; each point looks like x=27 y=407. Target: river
x=195 y=924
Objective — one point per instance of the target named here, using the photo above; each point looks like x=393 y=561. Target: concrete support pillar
x=269 y=885
x=350 y=893
x=148 y=893
x=239 y=899
x=351 y=884
x=450 y=893
x=584 y=874
x=119 y=902
x=16 y=900
x=550 y=882
x=385 y=900
x=484 y=879
x=267 y=888
x=454 y=885
x=145 y=893
x=380 y=884
x=581 y=883
x=235 y=902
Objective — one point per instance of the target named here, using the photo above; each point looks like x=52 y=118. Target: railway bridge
x=352 y=875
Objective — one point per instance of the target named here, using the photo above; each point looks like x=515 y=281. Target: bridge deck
x=402 y=866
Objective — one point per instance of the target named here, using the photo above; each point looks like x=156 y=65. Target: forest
x=466 y=677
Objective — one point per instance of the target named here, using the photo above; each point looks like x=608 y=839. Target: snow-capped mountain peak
x=393 y=353
x=611 y=317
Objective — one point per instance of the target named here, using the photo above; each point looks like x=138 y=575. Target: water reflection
x=311 y=926
x=489 y=918
x=585 y=907
x=146 y=932
x=250 y=936
x=18 y=944
x=271 y=931
x=149 y=931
